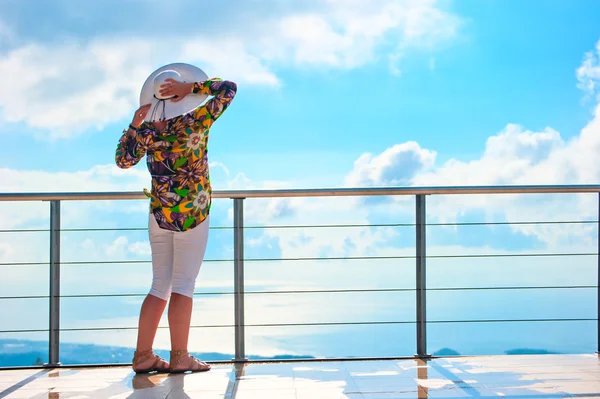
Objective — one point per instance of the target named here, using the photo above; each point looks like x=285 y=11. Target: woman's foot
x=147 y=362
x=182 y=361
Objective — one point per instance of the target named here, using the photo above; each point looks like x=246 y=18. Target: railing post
x=421 y=285
x=598 y=282
x=54 y=294
x=238 y=279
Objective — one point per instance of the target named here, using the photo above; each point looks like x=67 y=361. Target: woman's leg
x=180 y=317
x=161 y=242
x=150 y=314
x=189 y=249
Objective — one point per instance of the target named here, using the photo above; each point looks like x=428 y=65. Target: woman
x=172 y=131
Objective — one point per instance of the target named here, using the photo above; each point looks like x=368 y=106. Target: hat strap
x=161 y=102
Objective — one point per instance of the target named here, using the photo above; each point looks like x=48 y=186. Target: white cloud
x=100 y=178
x=588 y=74
x=141 y=248
x=220 y=165
x=396 y=165
x=514 y=156
x=348 y=34
x=118 y=248
x=263 y=211
x=229 y=58
x=67 y=87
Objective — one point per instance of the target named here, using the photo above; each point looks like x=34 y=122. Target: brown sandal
x=182 y=362
x=154 y=362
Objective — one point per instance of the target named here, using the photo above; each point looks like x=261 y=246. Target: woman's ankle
x=143 y=352
x=179 y=357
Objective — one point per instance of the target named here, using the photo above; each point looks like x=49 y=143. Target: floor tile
x=394 y=395
x=325 y=394
x=380 y=383
x=265 y=394
x=28 y=393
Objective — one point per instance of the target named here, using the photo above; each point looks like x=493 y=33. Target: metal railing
x=238 y=197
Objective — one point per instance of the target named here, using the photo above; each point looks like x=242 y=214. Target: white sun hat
x=162 y=108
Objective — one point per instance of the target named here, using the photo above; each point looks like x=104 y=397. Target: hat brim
x=189 y=73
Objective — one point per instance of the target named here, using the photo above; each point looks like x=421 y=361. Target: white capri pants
x=176 y=258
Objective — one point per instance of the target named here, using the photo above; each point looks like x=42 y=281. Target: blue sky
x=331 y=93
x=506 y=62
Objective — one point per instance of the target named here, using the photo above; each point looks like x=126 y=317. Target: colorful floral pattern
x=177 y=159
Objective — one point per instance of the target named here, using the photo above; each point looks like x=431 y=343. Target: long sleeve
x=130 y=150
x=223 y=93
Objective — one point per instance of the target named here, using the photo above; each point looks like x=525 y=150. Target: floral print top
x=177 y=159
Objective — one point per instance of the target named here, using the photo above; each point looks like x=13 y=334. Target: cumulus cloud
x=588 y=74
x=397 y=165
x=348 y=34
x=263 y=210
x=514 y=156
x=140 y=248
x=72 y=87
x=69 y=86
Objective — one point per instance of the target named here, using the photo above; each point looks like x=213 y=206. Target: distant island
x=24 y=353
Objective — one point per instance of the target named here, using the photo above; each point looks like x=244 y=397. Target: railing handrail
x=317 y=192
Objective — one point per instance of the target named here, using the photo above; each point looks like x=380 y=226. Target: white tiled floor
x=524 y=377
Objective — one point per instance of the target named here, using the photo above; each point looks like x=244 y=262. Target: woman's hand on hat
x=176 y=89
x=139 y=115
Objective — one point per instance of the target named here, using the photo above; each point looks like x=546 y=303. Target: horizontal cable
x=512 y=255
x=413 y=322
x=526 y=255
x=26 y=264
x=132 y=229
x=320 y=226
x=26 y=297
x=256 y=227
x=510 y=321
x=333 y=291
x=549 y=287
x=225 y=227
x=510 y=223
x=316 y=324
x=330 y=226
x=25 y=231
x=106 y=262
x=414 y=224
x=207 y=260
